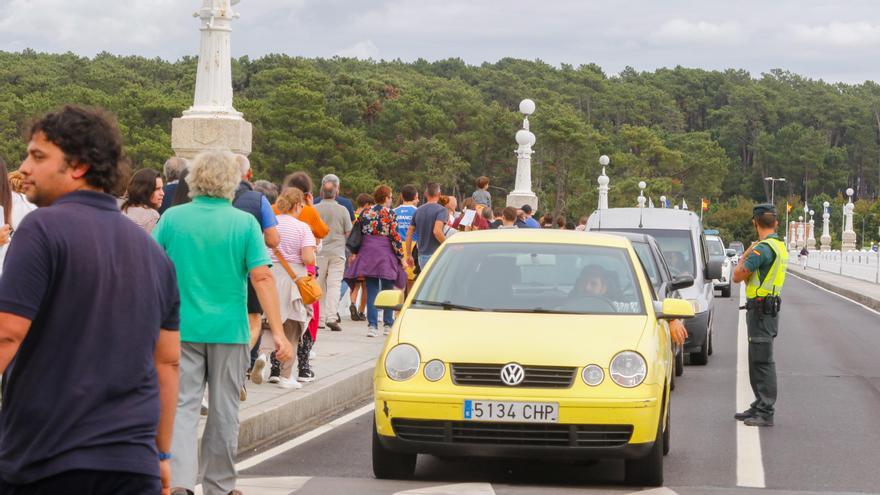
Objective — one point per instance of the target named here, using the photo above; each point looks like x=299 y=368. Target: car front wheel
x=647 y=471
x=388 y=465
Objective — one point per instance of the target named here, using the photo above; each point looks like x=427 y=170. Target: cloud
x=362 y=49
x=700 y=32
x=838 y=34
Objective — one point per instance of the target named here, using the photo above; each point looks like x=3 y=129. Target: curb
x=847 y=293
x=283 y=418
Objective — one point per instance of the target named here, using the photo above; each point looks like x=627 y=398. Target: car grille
x=521 y=434
x=489 y=375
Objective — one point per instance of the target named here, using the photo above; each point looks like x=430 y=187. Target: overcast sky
x=833 y=40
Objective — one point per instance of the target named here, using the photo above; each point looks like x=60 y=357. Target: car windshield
x=738 y=247
x=715 y=247
x=676 y=246
x=531 y=278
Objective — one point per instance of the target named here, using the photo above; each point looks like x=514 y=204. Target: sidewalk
x=867 y=293
x=343 y=366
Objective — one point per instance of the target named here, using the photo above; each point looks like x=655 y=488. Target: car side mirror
x=682 y=282
x=673 y=309
x=390 y=299
x=713 y=269
x=730 y=253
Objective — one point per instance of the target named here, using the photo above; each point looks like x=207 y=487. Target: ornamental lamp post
x=811 y=239
x=773 y=181
x=825 y=240
x=603 y=183
x=849 y=235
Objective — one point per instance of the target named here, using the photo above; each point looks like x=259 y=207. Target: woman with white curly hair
x=215 y=247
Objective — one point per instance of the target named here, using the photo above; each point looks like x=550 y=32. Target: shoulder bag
x=309 y=289
x=355 y=237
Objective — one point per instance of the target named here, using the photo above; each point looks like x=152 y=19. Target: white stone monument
x=849 y=235
x=212 y=123
x=641 y=199
x=603 y=183
x=801 y=237
x=811 y=239
x=522 y=192
x=825 y=240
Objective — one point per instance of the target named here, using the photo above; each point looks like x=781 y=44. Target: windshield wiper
x=446 y=305
x=531 y=310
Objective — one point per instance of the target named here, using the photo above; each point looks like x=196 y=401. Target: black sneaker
x=362 y=317
x=742 y=416
x=334 y=326
x=759 y=421
x=306 y=375
x=275 y=372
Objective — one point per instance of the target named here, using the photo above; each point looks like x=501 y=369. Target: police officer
x=763 y=268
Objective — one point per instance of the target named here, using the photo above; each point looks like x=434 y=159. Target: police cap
x=763 y=208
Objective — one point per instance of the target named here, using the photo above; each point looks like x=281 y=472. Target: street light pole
x=773 y=181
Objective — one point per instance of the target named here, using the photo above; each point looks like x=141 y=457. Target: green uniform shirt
x=213 y=246
x=761 y=258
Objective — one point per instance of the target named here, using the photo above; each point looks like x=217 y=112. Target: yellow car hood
x=525 y=338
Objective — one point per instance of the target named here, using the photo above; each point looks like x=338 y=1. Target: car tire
x=667 y=432
x=701 y=358
x=711 y=343
x=679 y=362
x=647 y=471
x=388 y=465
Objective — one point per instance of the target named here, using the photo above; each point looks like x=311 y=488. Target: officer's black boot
x=759 y=421
x=742 y=416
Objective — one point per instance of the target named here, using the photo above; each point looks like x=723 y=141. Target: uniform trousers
x=762 y=331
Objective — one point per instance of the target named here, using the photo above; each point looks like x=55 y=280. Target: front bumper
x=697 y=328
x=587 y=428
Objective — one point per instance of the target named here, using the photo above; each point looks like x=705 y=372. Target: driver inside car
x=596 y=282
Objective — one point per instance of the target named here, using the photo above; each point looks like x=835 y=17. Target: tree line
x=689 y=133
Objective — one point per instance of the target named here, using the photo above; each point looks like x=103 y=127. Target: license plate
x=513 y=412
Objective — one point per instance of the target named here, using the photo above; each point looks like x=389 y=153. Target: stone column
x=801 y=237
x=603 y=183
x=522 y=193
x=811 y=239
x=849 y=235
x=212 y=123
x=825 y=240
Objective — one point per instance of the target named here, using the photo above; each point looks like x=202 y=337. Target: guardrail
x=861 y=265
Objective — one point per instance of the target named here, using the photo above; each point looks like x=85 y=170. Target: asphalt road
x=826 y=438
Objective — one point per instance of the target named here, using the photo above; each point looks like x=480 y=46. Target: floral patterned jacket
x=380 y=220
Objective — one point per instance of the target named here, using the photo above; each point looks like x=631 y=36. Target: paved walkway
x=867 y=293
x=343 y=366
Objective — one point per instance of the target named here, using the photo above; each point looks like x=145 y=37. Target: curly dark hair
x=141 y=188
x=89 y=136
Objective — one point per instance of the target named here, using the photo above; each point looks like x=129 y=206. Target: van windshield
x=676 y=246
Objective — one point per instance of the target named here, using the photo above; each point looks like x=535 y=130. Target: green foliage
x=689 y=133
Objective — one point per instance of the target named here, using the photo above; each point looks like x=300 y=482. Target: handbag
x=309 y=288
x=355 y=237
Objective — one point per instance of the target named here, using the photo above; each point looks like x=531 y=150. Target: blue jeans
x=374 y=285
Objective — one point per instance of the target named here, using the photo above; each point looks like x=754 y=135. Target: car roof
x=651 y=218
x=550 y=236
x=632 y=236
x=713 y=238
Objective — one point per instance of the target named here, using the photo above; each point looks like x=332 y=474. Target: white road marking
x=749 y=463
x=656 y=491
x=834 y=293
x=457 y=489
x=305 y=437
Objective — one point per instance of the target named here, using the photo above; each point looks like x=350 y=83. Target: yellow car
x=527 y=344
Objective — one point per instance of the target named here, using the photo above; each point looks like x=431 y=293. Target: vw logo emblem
x=512 y=374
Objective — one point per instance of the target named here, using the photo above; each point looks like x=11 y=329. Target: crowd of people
x=177 y=288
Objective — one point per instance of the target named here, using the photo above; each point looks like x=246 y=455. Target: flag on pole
x=705 y=204
x=788 y=207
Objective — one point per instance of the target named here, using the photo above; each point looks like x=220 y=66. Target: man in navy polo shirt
x=89 y=312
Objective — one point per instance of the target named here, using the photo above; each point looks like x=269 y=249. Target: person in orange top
x=309 y=215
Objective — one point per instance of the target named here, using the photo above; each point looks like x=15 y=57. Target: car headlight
x=628 y=369
x=698 y=308
x=593 y=375
x=434 y=370
x=402 y=362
